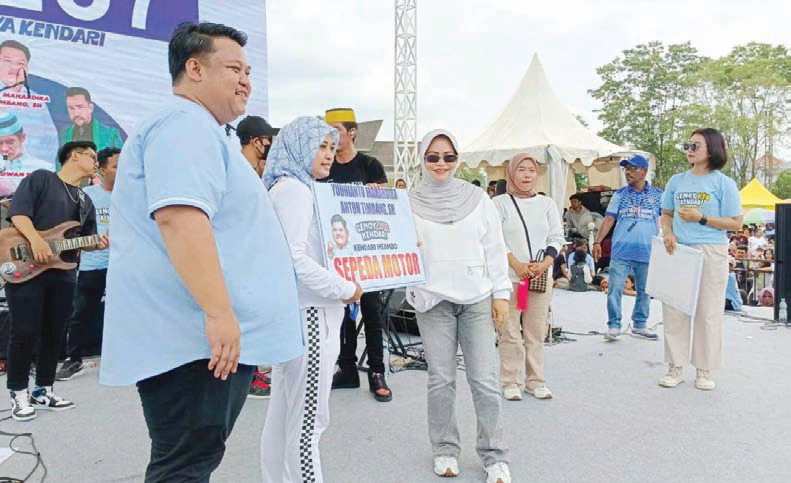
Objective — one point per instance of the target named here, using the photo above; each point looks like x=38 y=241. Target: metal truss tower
x=405 y=158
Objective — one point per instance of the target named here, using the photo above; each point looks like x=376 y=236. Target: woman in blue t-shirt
x=698 y=208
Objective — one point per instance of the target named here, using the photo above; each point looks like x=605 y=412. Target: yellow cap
x=342 y=114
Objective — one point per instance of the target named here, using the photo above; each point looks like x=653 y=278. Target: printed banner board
x=91 y=69
x=368 y=235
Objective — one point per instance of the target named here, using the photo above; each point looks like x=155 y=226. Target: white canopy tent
x=535 y=121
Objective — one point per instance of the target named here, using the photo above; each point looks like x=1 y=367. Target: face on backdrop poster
x=91 y=69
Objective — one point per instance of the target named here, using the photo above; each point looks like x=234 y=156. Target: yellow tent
x=754 y=195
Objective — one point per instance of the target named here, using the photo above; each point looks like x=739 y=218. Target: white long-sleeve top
x=317 y=286
x=543 y=223
x=465 y=262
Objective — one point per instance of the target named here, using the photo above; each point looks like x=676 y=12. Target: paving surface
x=608 y=421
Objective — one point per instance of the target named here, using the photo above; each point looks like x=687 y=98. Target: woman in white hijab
x=467 y=286
x=299 y=411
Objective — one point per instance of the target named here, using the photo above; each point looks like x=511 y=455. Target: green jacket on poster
x=103 y=136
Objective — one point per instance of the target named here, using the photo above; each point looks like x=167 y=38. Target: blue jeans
x=619 y=269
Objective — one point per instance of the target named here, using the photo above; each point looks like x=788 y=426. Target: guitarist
x=41 y=306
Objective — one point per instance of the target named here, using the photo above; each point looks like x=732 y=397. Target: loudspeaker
x=782 y=254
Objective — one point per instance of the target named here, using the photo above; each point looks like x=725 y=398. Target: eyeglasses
x=90 y=154
x=692 y=147
x=629 y=167
x=448 y=158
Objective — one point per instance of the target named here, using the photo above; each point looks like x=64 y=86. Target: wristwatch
x=703 y=220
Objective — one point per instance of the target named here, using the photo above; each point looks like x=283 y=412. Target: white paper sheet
x=675 y=279
x=5 y=453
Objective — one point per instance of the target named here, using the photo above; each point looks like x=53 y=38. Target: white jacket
x=543 y=223
x=317 y=286
x=465 y=262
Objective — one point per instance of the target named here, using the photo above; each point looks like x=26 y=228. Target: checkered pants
x=299 y=407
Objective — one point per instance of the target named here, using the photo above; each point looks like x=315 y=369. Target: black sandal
x=376 y=382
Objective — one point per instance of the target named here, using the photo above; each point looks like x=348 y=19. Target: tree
x=642 y=95
x=654 y=96
x=469 y=175
x=745 y=95
x=782 y=186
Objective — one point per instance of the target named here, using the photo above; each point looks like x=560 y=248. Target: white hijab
x=443 y=202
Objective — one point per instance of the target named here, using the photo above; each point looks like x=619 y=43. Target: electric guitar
x=17 y=263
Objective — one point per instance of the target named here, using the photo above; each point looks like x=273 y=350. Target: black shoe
x=69 y=370
x=376 y=382
x=346 y=379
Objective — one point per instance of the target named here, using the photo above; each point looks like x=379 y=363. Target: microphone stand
x=20 y=83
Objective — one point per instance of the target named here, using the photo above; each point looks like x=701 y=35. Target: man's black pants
x=39 y=310
x=190 y=414
x=371 y=308
x=85 y=326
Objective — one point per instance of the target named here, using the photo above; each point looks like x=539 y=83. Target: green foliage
x=642 y=94
x=581 y=180
x=655 y=95
x=469 y=175
x=782 y=186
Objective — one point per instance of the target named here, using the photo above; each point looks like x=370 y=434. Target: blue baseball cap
x=636 y=160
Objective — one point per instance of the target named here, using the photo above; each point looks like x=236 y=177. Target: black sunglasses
x=691 y=147
x=448 y=158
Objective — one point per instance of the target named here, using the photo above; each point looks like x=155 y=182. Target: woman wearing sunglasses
x=466 y=287
x=698 y=208
x=533 y=234
x=299 y=410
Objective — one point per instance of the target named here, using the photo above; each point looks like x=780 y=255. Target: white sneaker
x=674 y=376
x=45 y=398
x=541 y=392
x=446 y=466
x=21 y=410
x=703 y=380
x=512 y=393
x=498 y=473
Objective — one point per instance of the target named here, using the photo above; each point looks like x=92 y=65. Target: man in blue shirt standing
x=636 y=208
x=200 y=286
x=92 y=277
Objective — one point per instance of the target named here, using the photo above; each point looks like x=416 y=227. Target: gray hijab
x=446 y=202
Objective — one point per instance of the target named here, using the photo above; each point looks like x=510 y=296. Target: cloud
x=473 y=54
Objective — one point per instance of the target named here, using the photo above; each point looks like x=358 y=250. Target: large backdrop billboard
x=90 y=69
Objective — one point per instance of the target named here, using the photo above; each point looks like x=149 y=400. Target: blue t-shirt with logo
x=714 y=193
x=97 y=260
x=637 y=213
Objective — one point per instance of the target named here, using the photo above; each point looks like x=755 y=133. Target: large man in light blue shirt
x=637 y=208
x=200 y=284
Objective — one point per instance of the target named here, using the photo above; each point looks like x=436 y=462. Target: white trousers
x=299 y=409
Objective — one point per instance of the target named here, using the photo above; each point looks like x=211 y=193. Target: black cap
x=252 y=127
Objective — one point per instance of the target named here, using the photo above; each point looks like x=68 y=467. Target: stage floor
x=608 y=421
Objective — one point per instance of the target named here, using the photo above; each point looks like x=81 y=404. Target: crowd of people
x=216 y=272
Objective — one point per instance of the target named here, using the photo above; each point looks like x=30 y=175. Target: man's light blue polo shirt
x=180 y=156
x=637 y=213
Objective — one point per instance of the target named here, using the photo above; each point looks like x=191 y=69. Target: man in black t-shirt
x=41 y=306
x=354 y=167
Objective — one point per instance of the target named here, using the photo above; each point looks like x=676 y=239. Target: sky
x=472 y=54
